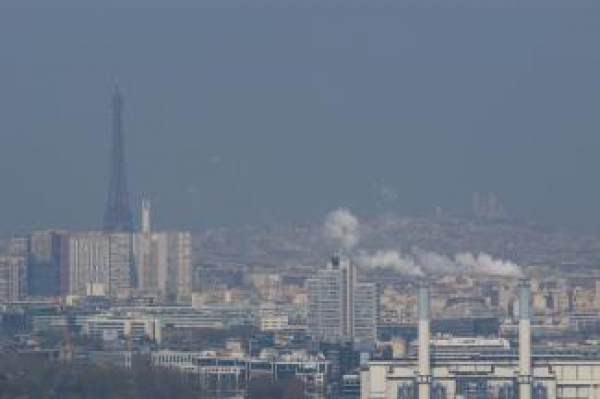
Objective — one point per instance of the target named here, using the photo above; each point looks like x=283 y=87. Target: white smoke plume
x=420 y=262
x=342 y=226
x=485 y=264
x=389 y=259
x=434 y=263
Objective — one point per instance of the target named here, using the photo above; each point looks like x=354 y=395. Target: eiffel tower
x=118 y=216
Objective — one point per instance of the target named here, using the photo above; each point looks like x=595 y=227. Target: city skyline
x=300 y=199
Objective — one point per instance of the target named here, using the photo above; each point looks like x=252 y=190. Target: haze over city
x=278 y=112
x=287 y=199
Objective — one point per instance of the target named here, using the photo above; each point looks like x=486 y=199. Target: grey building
x=13 y=270
x=122 y=273
x=89 y=263
x=339 y=308
x=44 y=264
x=163 y=261
x=100 y=263
x=179 y=266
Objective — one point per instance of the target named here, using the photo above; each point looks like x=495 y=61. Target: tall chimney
x=424 y=372
x=146 y=217
x=525 y=383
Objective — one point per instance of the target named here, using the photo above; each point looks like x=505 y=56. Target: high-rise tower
x=340 y=308
x=118 y=216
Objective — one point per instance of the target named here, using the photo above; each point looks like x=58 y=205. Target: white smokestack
x=525 y=383
x=424 y=372
x=146 y=217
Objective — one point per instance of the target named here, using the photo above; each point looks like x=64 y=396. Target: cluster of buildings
x=115 y=262
x=121 y=294
x=336 y=341
x=478 y=368
x=53 y=264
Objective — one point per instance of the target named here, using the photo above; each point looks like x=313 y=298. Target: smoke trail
x=434 y=263
x=341 y=226
x=420 y=262
x=485 y=264
x=389 y=259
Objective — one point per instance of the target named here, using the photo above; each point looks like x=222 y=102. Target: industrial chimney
x=525 y=383
x=424 y=372
x=146 y=228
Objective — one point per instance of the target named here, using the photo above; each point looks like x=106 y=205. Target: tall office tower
x=89 y=264
x=160 y=259
x=122 y=273
x=44 y=264
x=13 y=270
x=338 y=307
x=163 y=261
x=366 y=299
x=118 y=216
x=325 y=308
x=145 y=262
x=179 y=266
x=100 y=264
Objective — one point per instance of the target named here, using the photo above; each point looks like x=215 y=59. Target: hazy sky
x=242 y=111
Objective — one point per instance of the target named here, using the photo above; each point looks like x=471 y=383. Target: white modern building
x=163 y=261
x=129 y=326
x=88 y=262
x=339 y=308
x=102 y=261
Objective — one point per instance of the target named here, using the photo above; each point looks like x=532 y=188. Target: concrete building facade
x=89 y=261
x=13 y=270
x=163 y=261
x=339 y=308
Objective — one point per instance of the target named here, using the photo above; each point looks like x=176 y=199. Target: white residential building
x=102 y=261
x=89 y=262
x=163 y=261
